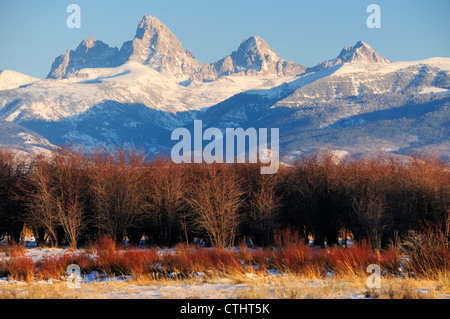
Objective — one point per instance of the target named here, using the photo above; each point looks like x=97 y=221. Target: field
x=296 y=271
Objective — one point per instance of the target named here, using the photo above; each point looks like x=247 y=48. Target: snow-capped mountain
x=254 y=56
x=21 y=140
x=12 y=79
x=353 y=107
x=358 y=102
x=361 y=52
x=156 y=46
x=91 y=53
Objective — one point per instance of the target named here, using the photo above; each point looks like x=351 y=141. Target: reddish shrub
x=391 y=259
x=262 y=258
x=286 y=237
x=110 y=260
x=140 y=262
x=112 y=263
x=188 y=259
x=225 y=260
x=351 y=259
x=55 y=268
x=296 y=258
x=21 y=268
x=243 y=253
x=428 y=252
x=105 y=244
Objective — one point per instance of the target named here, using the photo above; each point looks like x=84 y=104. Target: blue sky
x=33 y=33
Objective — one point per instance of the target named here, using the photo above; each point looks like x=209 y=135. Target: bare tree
x=215 y=199
x=13 y=172
x=167 y=189
x=42 y=213
x=369 y=216
x=120 y=198
x=263 y=208
x=55 y=198
x=69 y=183
x=318 y=196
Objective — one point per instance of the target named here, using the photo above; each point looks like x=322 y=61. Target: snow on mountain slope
x=12 y=79
x=130 y=83
x=21 y=140
x=356 y=67
x=354 y=107
x=434 y=90
x=352 y=80
x=103 y=106
x=357 y=79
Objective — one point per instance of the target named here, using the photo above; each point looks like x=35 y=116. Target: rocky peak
x=155 y=45
x=88 y=43
x=254 y=53
x=254 y=44
x=255 y=56
x=90 y=53
x=190 y=54
x=361 y=52
x=153 y=38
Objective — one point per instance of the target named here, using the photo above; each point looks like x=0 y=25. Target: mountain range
x=99 y=96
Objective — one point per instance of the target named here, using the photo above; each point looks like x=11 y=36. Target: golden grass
x=211 y=273
x=236 y=285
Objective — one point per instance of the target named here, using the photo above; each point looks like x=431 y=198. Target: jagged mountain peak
x=361 y=52
x=253 y=41
x=90 y=53
x=255 y=46
x=255 y=56
x=148 y=22
x=89 y=42
x=358 y=44
x=153 y=38
x=156 y=46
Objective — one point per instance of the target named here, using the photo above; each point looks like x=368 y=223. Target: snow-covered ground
x=253 y=284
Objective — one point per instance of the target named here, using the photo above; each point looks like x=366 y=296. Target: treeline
x=72 y=198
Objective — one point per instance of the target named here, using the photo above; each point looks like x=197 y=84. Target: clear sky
x=34 y=32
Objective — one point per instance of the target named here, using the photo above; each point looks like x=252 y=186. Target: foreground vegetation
x=426 y=260
x=395 y=211
x=234 y=286
x=291 y=270
x=72 y=198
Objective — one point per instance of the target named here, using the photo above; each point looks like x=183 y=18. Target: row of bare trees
x=73 y=198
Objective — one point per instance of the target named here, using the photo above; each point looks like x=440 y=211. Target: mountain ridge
x=356 y=102
x=155 y=45
x=361 y=52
